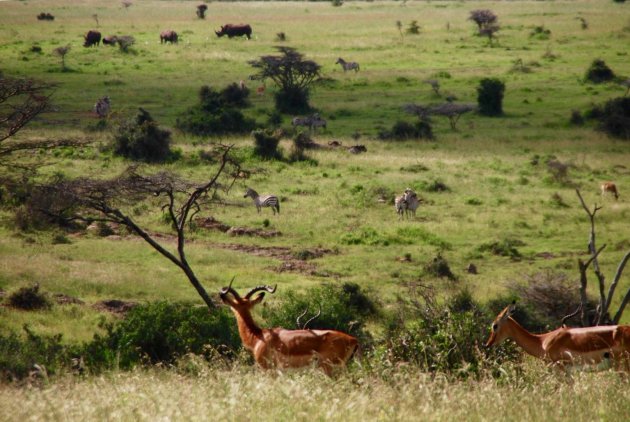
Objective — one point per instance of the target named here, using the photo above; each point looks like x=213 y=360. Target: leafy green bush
x=292 y=100
x=402 y=130
x=490 y=96
x=343 y=307
x=161 y=332
x=503 y=247
x=266 y=144
x=217 y=113
x=599 y=72
x=141 y=139
x=614 y=117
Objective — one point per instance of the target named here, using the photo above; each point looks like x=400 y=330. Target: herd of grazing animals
x=282 y=348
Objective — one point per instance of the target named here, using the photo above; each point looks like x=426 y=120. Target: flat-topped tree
x=293 y=75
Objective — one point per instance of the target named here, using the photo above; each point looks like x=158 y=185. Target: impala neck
x=531 y=343
x=248 y=330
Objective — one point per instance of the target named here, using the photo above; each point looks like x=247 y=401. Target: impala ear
x=511 y=308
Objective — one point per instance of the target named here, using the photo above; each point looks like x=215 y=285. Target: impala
x=281 y=348
x=610 y=187
x=588 y=345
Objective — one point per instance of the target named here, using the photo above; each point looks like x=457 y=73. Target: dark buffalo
x=92 y=38
x=168 y=36
x=110 y=40
x=235 y=31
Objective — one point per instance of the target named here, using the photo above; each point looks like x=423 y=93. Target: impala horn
x=317 y=315
x=571 y=315
x=259 y=288
x=229 y=289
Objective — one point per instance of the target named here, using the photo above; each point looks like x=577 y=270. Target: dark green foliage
x=301 y=143
x=266 y=144
x=599 y=72
x=293 y=100
x=343 y=307
x=576 y=118
x=413 y=28
x=29 y=298
x=402 y=131
x=141 y=139
x=490 y=96
x=614 y=117
x=438 y=267
x=503 y=247
x=161 y=332
x=439 y=338
x=435 y=186
x=19 y=353
x=217 y=113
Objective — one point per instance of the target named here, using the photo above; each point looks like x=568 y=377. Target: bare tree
x=605 y=299
x=435 y=85
x=483 y=18
x=92 y=200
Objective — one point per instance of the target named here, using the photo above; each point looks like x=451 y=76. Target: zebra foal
x=347 y=65
x=264 y=201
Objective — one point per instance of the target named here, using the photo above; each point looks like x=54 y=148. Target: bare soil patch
x=119 y=307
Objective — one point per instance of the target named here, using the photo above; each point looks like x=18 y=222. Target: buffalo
x=235 y=31
x=168 y=36
x=45 y=17
x=110 y=40
x=92 y=38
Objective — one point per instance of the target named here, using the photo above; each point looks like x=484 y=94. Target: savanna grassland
x=499 y=188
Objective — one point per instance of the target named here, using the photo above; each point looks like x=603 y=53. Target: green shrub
x=490 y=96
x=614 y=117
x=266 y=144
x=599 y=72
x=141 y=139
x=438 y=267
x=217 y=113
x=402 y=131
x=161 y=332
x=292 y=100
x=343 y=307
x=503 y=247
x=28 y=298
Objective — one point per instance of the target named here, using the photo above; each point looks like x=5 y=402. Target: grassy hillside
x=499 y=186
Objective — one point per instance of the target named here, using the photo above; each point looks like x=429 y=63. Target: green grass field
x=345 y=202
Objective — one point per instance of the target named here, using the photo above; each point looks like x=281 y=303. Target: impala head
x=230 y=297
x=497 y=334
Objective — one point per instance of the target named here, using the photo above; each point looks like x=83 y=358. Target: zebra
x=312 y=122
x=317 y=121
x=348 y=65
x=400 y=204
x=301 y=121
x=102 y=106
x=264 y=201
x=412 y=202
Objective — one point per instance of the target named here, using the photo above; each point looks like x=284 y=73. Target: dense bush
x=439 y=337
x=266 y=143
x=292 y=100
x=217 y=113
x=29 y=298
x=438 y=267
x=490 y=96
x=599 y=72
x=343 y=307
x=141 y=139
x=402 y=130
x=614 y=117
x=161 y=332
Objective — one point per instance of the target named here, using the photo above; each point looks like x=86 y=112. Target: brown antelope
x=610 y=187
x=281 y=348
x=261 y=89
x=565 y=346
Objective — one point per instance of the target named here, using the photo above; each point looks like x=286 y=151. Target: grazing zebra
x=317 y=121
x=400 y=204
x=411 y=199
x=264 y=201
x=312 y=122
x=301 y=121
x=347 y=65
x=102 y=106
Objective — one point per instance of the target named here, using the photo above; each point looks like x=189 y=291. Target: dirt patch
x=62 y=299
x=293 y=261
x=246 y=231
x=115 y=306
x=211 y=223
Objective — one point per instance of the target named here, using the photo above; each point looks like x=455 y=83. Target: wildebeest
x=45 y=17
x=92 y=38
x=235 y=31
x=110 y=40
x=168 y=36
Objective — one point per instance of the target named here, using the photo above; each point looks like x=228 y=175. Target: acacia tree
x=92 y=200
x=292 y=74
x=605 y=299
x=483 y=18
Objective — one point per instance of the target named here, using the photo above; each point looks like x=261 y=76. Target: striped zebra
x=412 y=201
x=400 y=204
x=102 y=107
x=301 y=121
x=347 y=65
x=312 y=122
x=264 y=201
